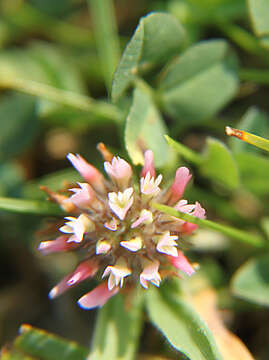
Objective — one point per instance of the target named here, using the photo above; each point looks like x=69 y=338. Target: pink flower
x=89 y=172
x=181 y=262
x=78 y=227
x=148 y=165
x=119 y=171
x=150 y=273
x=97 y=297
x=133 y=244
x=177 y=189
x=85 y=270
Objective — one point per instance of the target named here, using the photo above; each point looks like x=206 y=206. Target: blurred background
x=54 y=99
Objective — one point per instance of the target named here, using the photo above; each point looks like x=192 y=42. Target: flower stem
x=243 y=236
x=63 y=97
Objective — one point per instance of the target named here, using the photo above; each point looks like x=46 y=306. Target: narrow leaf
x=117 y=330
x=181 y=325
x=43 y=345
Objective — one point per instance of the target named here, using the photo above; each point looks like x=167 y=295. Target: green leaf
x=254 y=172
x=200 y=82
x=251 y=281
x=34 y=207
x=19 y=124
x=145 y=129
x=117 y=330
x=259 y=13
x=219 y=165
x=45 y=346
x=157 y=37
x=254 y=121
x=180 y=324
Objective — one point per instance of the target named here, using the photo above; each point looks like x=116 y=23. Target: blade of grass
x=240 y=235
x=255 y=140
x=105 y=29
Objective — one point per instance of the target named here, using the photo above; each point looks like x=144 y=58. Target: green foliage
x=117 y=330
x=180 y=324
x=251 y=281
x=218 y=164
x=33 y=343
x=156 y=39
x=19 y=124
x=190 y=89
x=145 y=129
x=179 y=74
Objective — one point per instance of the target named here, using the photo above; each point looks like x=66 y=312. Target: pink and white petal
x=97 y=297
x=85 y=270
x=181 y=263
x=87 y=171
x=177 y=189
x=148 y=165
x=58 y=245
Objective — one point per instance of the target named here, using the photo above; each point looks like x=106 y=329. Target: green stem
x=108 y=44
x=184 y=151
x=240 y=235
x=35 y=207
x=244 y=39
x=63 y=97
x=260 y=76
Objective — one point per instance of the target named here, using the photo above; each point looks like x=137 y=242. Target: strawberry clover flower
x=122 y=237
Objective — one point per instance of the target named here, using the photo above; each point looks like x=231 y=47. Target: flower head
x=116 y=229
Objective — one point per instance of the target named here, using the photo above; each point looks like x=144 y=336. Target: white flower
x=134 y=244
x=117 y=273
x=150 y=273
x=121 y=202
x=167 y=244
x=150 y=186
x=78 y=227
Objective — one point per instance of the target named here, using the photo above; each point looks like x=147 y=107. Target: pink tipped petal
x=58 y=245
x=182 y=263
x=148 y=165
x=119 y=171
x=145 y=217
x=111 y=225
x=83 y=196
x=177 y=189
x=87 y=171
x=97 y=297
x=149 y=186
x=85 y=270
